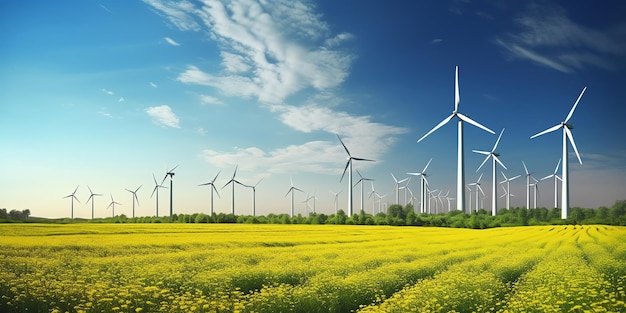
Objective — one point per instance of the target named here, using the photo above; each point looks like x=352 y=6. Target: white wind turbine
x=254 y=196
x=460 y=186
x=373 y=193
x=536 y=191
x=470 y=197
x=92 y=198
x=507 y=190
x=556 y=183
x=349 y=164
x=567 y=135
x=336 y=201
x=291 y=190
x=528 y=177
x=134 y=198
x=478 y=188
x=171 y=174
x=361 y=181
x=233 y=181
x=494 y=158
x=397 y=186
x=73 y=196
x=213 y=188
x=449 y=200
x=423 y=183
x=112 y=204
x=156 y=189
x=507 y=194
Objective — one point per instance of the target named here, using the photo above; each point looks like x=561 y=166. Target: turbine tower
x=254 y=196
x=134 y=198
x=460 y=179
x=336 y=194
x=113 y=203
x=567 y=134
x=170 y=173
x=349 y=164
x=233 y=181
x=556 y=183
x=478 y=188
x=423 y=186
x=73 y=196
x=92 y=197
x=494 y=158
x=397 y=186
x=507 y=191
x=291 y=190
x=156 y=189
x=361 y=181
x=528 y=177
x=212 y=184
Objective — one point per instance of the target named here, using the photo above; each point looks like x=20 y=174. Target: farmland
x=310 y=268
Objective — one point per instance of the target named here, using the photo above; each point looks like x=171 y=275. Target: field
x=310 y=268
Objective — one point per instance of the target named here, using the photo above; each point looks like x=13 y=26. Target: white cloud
x=171 y=41
x=153 y=85
x=436 y=41
x=550 y=38
x=121 y=99
x=337 y=40
x=108 y=92
x=201 y=131
x=210 y=100
x=179 y=13
x=163 y=115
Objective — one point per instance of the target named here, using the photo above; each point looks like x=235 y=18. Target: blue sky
x=106 y=93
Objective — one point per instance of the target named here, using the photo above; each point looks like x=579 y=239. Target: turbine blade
x=75 y=189
x=499 y=162
x=525 y=168
x=457 y=96
x=154 y=190
x=484 y=161
x=505 y=179
x=91 y=192
x=290 y=189
x=172 y=170
x=218 y=194
x=515 y=177
x=258 y=182
x=482 y=152
x=138 y=188
x=427 y=164
x=344 y=146
x=344 y=170
x=571 y=140
x=361 y=159
x=155 y=182
x=571 y=112
x=481 y=190
x=471 y=121
x=479 y=177
x=549 y=176
x=218 y=173
x=497 y=141
x=394 y=178
x=556 y=169
x=298 y=189
x=357 y=171
x=551 y=129
x=446 y=120
x=230 y=181
x=235 y=173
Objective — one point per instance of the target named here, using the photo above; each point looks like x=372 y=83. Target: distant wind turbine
x=134 y=198
x=507 y=190
x=361 y=181
x=112 y=204
x=567 y=134
x=460 y=191
x=212 y=184
x=156 y=189
x=494 y=158
x=92 y=198
x=397 y=186
x=478 y=188
x=291 y=190
x=73 y=196
x=254 y=196
x=423 y=183
x=171 y=174
x=556 y=183
x=528 y=177
x=349 y=164
x=233 y=181
x=536 y=191
x=336 y=202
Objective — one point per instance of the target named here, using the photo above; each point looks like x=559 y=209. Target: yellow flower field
x=310 y=268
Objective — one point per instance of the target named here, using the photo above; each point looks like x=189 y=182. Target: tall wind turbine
x=397 y=186
x=423 y=183
x=134 y=198
x=112 y=204
x=567 y=134
x=92 y=198
x=212 y=184
x=536 y=194
x=170 y=173
x=349 y=164
x=156 y=189
x=507 y=190
x=291 y=190
x=460 y=183
x=233 y=181
x=528 y=176
x=73 y=196
x=254 y=196
x=556 y=183
x=494 y=158
x=361 y=181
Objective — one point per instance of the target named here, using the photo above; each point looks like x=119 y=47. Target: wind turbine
x=372 y=193
x=449 y=199
x=73 y=196
x=253 y=196
x=156 y=189
x=494 y=158
x=92 y=197
x=397 y=186
x=212 y=184
x=507 y=194
x=349 y=164
x=423 y=183
x=113 y=203
x=460 y=191
x=556 y=183
x=470 y=196
x=170 y=173
x=528 y=177
x=363 y=179
x=567 y=134
x=233 y=181
x=507 y=190
x=134 y=198
x=291 y=190
x=536 y=194
x=336 y=202
x=478 y=188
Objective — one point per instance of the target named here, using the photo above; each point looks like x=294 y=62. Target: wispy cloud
x=179 y=13
x=153 y=85
x=210 y=100
x=108 y=92
x=171 y=41
x=163 y=115
x=121 y=99
x=105 y=8
x=201 y=131
x=436 y=41
x=550 y=38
